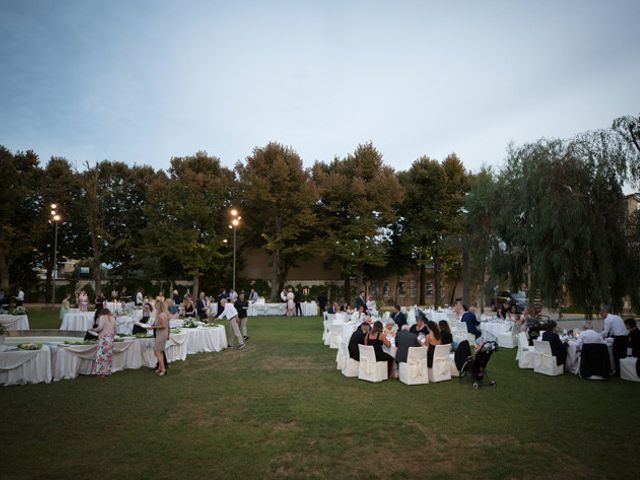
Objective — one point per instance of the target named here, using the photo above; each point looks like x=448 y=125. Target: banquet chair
x=594 y=361
x=342 y=356
x=545 y=362
x=336 y=335
x=351 y=368
x=441 y=369
x=452 y=364
x=526 y=355
x=414 y=370
x=369 y=369
x=629 y=369
x=506 y=339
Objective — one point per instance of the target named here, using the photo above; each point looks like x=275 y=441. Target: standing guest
x=172 y=308
x=100 y=302
x=372 y=308
x=189 y=308
x=233 y=295
x=398 y=317
x=431 y=340
x=357 y=338
x=614 y=327
x=139 y=297
x=634 y=337
x=176 y=297
x=66 y=305
x=322 y=302
x=201 y=307
x=222 y=295
x=242 y=306
x=297 y=300
x=377 y=340
x=472 y=322
x=114 y=295
x=290 y=303
x=404 y=340
x=558 y=348
x=420 y=327
x=445 y=334
x=231 y=314
x=83 y=301
x=361 y=300
x=160 y=297
x=146 y=316
x=253 y=296
x=161 y=334
x=106 y=330
x=459 y=310
x=20 y=297
x=283 y=296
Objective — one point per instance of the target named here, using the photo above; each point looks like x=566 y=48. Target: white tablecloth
x=15 y=322
x=205 y=339
x=496 y=327
x=25 y=366
x=83 y=321
x=278 y=309
x=572 y=362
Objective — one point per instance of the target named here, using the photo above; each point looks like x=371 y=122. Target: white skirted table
x=18 y=367
x=309 y=309
x=205 y=339
x=14 y=322
x=83 y=321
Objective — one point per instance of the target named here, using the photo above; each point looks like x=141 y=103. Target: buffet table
x=14 y=322
x=83 y=321
x=18 y=367
x=309 y=309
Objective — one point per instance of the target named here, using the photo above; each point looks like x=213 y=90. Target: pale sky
x=142 y=81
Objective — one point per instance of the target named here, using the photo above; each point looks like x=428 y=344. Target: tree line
x=552 y=217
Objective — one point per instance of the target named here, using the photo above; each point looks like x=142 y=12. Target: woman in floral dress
x=106 y=332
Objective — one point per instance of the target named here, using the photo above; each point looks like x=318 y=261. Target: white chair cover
x=414 y=370
x=628 y=369
x=369 y=369
x=441 y=369
x=526 y=356
x=545 y=362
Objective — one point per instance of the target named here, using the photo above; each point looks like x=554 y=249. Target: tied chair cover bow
x=367 y=365
x=417 y=368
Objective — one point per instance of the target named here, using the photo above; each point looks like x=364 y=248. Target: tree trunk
x=423 y=269
x=97 y=273
x=466 y=274
x=275 y=284
x=482 y=287
x=4 y=273
x=347 y=289
x=48 y=285
x=452 y=299
x=436 y=278
x=528 y=272
x=196 y=285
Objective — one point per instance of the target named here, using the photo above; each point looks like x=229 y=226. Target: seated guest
x=634 y=337
x=524 y=321
x=377 y=340
x=404 y=340
x=445 y=334
x=357 y=338
x=504 y=312
x=333 y=308
x=390 y=329
x=589 y=335
x=189 y=308
x=472 y=322
x=359 y=315
x=432 y=339
x=398 y=317
x=420 y=327
x=558 y=348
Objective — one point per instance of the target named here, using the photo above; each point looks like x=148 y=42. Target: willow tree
x=359 y=196
x=277 y=198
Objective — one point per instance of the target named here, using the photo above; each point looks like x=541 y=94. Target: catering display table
x=14 y=322
x=24 y=366
x=278 y=309
x=83 y=321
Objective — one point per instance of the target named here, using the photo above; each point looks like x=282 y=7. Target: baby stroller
x=476 y=365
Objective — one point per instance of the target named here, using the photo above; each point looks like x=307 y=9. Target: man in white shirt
x=231 y=314
x=614 y=327
x=20 y=297
x=589 y=335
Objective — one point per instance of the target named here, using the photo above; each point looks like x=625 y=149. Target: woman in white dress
x=290 y=303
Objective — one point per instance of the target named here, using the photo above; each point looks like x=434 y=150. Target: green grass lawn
x=281 y=409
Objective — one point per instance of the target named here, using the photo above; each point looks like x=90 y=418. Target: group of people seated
x=396 y=333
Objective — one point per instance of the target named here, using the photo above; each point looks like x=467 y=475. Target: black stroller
x=475 y=366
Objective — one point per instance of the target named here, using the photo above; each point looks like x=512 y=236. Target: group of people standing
x=5 y=300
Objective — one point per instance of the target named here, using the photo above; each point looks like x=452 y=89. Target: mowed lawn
x=280 y=409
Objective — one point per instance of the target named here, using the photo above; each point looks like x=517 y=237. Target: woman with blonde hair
x=161 y=334
x=106 y=332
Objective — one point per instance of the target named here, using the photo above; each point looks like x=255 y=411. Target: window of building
x=401 y=291
x=385 y=289
x=429 y=289
x=412 y=288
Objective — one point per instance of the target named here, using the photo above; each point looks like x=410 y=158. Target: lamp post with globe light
x=235 y=221
x=55 y=218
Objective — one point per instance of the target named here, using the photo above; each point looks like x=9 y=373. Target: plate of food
x=30 y=346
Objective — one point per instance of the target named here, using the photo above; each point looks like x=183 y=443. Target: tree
x=359 y=196
x=19 y=208
x=187 y=218
x=277 y=197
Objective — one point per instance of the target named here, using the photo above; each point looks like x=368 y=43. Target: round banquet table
x=205 y=339
x=14 y=322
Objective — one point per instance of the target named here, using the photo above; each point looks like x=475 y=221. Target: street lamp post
x=235 y=221
x=55 y=218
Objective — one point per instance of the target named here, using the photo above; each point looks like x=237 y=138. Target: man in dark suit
x=297 y=299
x=201 y=307
x=634 y=337
x=404 y=340
x=361 y=301
x=358 y=339
x=322 y=302
x=398 y=317
x=472 y=322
